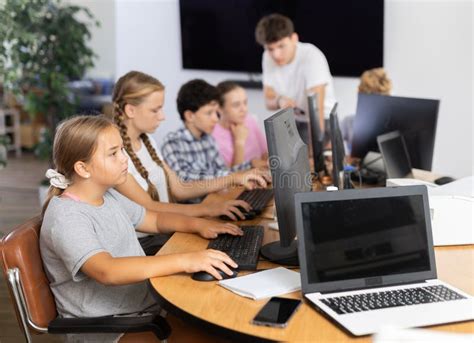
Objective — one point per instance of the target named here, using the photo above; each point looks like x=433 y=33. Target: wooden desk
x=228 y=314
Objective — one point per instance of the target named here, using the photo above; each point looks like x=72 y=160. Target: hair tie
x=57 y=179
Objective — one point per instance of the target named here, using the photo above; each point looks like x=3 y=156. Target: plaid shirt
x=195 y=159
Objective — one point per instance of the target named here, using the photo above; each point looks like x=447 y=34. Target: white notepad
x=264 y=284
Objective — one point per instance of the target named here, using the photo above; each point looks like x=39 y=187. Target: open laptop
x=395 y=155
x=367 y=260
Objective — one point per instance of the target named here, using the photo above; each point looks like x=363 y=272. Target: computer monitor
x=337 y=146
x=289 y=166
x=416 y=119
x=317 y=136
x=395 y=155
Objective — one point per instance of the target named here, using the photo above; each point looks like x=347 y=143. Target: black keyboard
x=244 y=249
x=385 y=299
x=257 y=199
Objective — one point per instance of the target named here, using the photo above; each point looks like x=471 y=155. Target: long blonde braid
x=158 y=161
x=127 y=143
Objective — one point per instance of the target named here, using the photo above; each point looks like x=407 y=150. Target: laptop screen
x=364 y=237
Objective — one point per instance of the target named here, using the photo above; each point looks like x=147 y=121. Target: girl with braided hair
x=138 y=110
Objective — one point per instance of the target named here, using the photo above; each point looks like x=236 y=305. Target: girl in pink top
x=237 y=134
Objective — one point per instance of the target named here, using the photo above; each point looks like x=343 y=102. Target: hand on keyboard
x=253 y=178
x=244 y=250
x=211 y=229
x=231 y=209
x=257 y=198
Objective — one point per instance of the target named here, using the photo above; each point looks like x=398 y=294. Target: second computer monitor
x=337 y=146
x=317 y=136
x=416 y=119
x=289 y=165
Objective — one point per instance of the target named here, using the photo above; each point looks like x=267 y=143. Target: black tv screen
x=219 y=34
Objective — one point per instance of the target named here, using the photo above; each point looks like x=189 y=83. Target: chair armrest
x=155 y=323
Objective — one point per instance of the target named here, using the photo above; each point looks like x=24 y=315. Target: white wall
x=428 y=53
x=103 y=38
x=148 y=39
x=472 y=86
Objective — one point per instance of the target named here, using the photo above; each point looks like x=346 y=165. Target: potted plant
x=43 y=46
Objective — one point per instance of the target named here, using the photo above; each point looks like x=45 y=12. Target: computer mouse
x=205 y=276
x=443 y=180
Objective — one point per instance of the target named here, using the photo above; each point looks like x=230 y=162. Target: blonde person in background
x=238 y=137
x=138 y=101
x=372 y=81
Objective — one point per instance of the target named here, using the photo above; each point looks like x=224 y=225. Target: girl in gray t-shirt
x=90 y=251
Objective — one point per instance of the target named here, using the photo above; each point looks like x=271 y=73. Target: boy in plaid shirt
x=191 y=151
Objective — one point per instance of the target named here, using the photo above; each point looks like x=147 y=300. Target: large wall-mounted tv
x=219 y=34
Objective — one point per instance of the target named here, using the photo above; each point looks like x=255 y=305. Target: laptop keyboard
x=385 y=299
x=244 y=250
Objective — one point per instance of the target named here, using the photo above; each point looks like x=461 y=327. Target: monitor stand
x=282 y=255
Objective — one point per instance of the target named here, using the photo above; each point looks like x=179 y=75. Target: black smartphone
x=276 y=312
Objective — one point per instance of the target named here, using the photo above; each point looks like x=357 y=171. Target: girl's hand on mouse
x=208 y=261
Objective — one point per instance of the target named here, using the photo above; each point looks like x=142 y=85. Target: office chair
x=34 y=302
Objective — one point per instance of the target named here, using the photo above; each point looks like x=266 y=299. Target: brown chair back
x=20 y=249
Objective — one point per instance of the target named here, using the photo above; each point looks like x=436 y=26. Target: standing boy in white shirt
x=292 y=70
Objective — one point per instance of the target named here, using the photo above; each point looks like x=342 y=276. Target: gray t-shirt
x=73 y=231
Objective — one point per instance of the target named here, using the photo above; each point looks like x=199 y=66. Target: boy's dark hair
x=272 y=28
x=194 y=94
x=225 y=87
